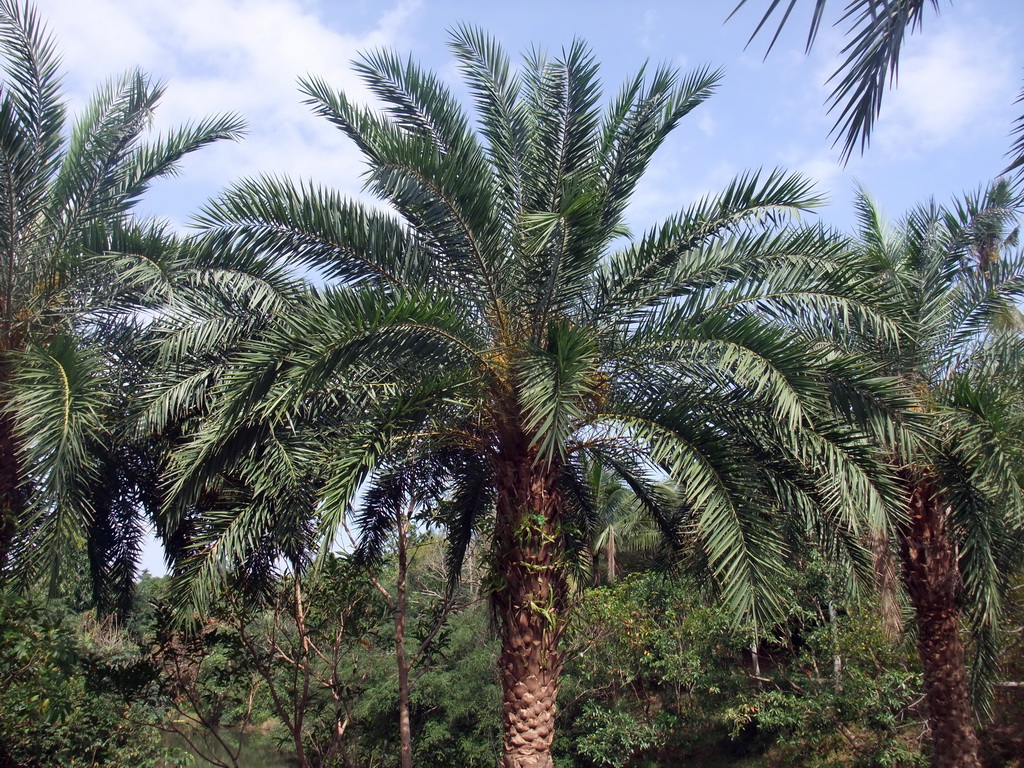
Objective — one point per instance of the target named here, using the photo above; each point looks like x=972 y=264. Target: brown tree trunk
x=301 y=695
x=932 y=579
x=530 y=605
x=401 y=607
x=610 y=554
x=887 y=583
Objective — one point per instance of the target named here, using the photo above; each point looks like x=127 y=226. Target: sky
x=944 y=130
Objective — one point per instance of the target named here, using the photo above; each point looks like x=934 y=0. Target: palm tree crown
x=504 y=325
x=958 y=279
x=66 y=197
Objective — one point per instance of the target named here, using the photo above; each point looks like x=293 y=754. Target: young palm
x=504 y=326
x=621 y=523
x=66 y=200
x=958 y=540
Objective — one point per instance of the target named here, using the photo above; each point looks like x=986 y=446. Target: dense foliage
x=655 y=676
x=75 y=691
x=740 y=490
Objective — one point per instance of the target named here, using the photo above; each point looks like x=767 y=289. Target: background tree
x=621 y=524
x=959 y=279
x=67 y=195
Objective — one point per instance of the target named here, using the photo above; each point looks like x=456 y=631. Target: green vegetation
x=71 y=472
x=655 y=675
x=736 y=491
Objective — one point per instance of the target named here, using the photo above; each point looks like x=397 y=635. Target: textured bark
x=932 y=579
x=530 y=604
x=887 y=583
x=401 y=608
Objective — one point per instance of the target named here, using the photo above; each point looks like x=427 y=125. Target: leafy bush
x=74 y=691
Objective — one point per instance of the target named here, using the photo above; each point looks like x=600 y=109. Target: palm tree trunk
x=530 y=605
x=887 y=583
x=401 y=608
x=932 y=579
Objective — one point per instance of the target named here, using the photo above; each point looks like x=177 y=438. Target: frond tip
x=871 y=58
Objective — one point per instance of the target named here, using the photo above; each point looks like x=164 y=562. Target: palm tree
x=621 y=523
x=958 y=539
x=66 y=197
x=504 y=326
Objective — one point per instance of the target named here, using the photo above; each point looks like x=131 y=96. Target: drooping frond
x=124 y=495
x=58 y=400
x=871 y=57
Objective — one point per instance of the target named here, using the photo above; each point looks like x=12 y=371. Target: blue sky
x=944 y=130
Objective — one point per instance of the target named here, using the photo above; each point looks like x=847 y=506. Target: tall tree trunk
x=301 y=695
x=530 y=605
x=837 y=659
x=932 y=579
x=401 y=606
x=887 y=583
x=755 y=660
x=610 y=554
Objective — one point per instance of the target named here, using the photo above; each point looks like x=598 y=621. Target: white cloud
x=954 y=80
x=821 y=166
x=241 y=56
x=706 y=122
x=648 y=29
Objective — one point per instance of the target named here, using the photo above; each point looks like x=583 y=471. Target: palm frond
x=749 y=200
x=58 y=398
x=161 y=157
x=871 y=62
x=555 y=383
x=32 y=66
x=315 y=228
x=635 y=126
x=496 y=93
x=1016 y=153
x=102 y=142
x=448 y=195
